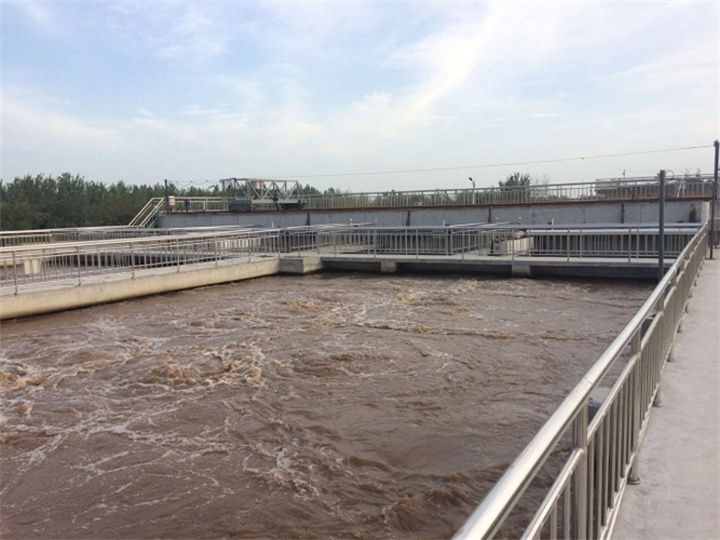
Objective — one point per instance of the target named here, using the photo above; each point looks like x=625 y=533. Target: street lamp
x=473 y=193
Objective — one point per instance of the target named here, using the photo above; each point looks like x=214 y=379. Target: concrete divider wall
x=113 y=290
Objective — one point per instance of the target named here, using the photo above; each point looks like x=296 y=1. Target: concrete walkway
x=679 y=473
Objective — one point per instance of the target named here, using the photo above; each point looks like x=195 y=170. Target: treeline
x=44 y=202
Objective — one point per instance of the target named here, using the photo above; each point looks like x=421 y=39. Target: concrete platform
x=504 y=265
x=679 y=458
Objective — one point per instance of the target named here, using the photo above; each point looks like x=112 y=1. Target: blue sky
x=322 y=91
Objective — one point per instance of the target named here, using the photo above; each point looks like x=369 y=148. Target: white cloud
x=694 y=63
x=41 y=15
x=31 y=125
x=177 y=31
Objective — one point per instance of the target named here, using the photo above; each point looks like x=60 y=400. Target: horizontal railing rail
x=28 y=267
x=603 y=443
x=76 y=234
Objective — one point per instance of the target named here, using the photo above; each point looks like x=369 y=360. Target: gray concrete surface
x=678 y=461
x=589 y=212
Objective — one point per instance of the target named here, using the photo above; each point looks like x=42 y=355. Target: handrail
x=148 y=213
x=489 y=516
x=36 y=266
x=614 y=189
x=148 y=210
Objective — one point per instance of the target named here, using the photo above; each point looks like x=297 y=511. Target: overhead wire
x=493 y=165
x=205 y=182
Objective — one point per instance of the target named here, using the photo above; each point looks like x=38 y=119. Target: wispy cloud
x=41 y=15
x=286 y=88
x=178 y=31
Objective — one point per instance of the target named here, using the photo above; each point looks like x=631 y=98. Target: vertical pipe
x=714 y=200
x=661 y=230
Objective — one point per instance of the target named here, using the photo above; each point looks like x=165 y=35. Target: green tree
x=516 y=179
x=515 y=188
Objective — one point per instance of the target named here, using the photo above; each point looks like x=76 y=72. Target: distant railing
x=49 y=236
x=613 y=189
x=597 y=447
x=631 y=241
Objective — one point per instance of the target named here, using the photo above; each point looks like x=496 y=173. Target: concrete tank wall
x=540 y=214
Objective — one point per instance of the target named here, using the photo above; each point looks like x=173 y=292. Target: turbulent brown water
x=288 y=407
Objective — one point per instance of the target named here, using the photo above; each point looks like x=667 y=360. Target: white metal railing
x=600 y=451
x=28 y=267
x=631 y=242
x=78 y=234
x=63 y=254
x=620 y=189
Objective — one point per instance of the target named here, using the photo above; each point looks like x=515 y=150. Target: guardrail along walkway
x=678 y=461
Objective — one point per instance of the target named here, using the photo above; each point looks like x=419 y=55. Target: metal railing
x=24 y=268
x=62 y=254
x=614 y=189
x=600 y=450
x=79 y=234
x=631 y=242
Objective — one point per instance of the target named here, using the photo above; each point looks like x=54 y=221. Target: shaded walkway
x=679 y=457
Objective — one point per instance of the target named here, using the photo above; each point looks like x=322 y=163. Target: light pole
x=473 y=193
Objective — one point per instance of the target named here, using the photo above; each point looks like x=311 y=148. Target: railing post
x=15 y=277
x=77 y=256
x=132 y=259
x=568 y=244
x=581 y=475
x=661 y=229
x=637 y=408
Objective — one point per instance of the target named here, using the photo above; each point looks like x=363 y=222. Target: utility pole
x=661 y=229
x=714 y=200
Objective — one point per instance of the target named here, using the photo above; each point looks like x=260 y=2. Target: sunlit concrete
x=61 y=296
x=678 y=461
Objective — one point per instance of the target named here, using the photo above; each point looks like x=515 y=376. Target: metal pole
x=77 y=250
x=15 y=277
x=661 y=230
x=167 y=198
x=714 y=201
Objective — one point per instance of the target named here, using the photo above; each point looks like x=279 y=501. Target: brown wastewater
x=324 y=406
